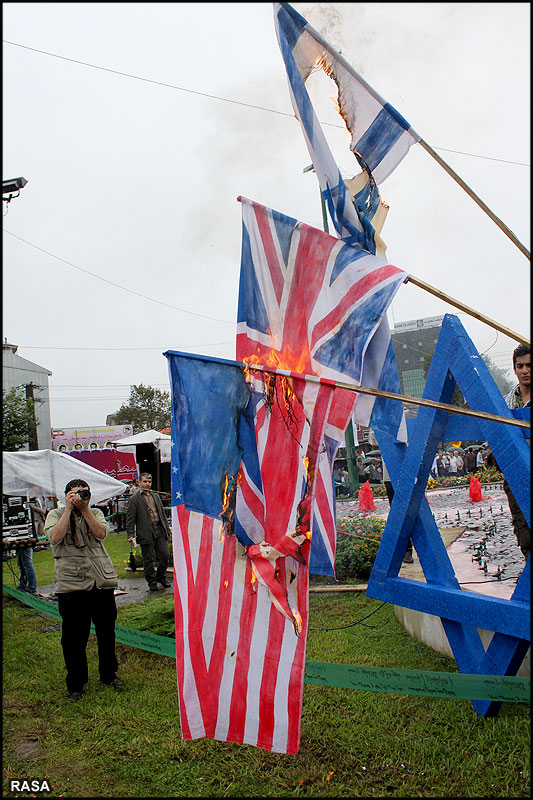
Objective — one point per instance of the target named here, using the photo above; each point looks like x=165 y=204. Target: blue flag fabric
x=209 y=405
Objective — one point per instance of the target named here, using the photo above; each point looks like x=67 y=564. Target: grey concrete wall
x=428 y=629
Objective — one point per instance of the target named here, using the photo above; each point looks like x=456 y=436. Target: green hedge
x=358 y=541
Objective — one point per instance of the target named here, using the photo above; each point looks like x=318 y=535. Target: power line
x=117 y=285
x=489 y=158
x=99 y=385
x=89 y=399
x=123 y=349
x=227 y=99
x=159 y=83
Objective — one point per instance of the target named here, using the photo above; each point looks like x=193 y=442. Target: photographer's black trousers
x=78 y=610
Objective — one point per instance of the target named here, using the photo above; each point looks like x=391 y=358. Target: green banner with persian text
x=346 y=676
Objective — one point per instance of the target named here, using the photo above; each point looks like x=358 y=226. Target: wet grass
x=116 y=544
x=353 y=743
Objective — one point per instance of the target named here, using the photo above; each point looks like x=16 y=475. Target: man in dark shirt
x=146 y=519
x=519 y=397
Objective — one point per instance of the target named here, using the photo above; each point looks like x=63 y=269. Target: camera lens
x=84 y=494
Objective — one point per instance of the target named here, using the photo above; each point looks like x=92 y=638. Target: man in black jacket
x=146 y=518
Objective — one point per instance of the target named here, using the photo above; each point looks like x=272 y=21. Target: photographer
x=85 y=580
x=28 y=576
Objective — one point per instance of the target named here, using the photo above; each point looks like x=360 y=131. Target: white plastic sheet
x=146 y=437
x=46 y=472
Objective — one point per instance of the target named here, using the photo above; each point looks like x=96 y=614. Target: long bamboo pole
x=406 y=398
x=475 y=197
x=473 y=313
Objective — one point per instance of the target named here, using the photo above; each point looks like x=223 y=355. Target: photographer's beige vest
x=79 y=568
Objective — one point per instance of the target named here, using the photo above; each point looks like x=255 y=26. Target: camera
x=84 y=494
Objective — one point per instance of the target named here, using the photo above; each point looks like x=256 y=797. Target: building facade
x=412 y=341
x=34 y=379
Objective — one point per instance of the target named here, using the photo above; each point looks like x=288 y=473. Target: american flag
x=381 y=137
x=253 y=501
x=311 y=303
x=241 y=577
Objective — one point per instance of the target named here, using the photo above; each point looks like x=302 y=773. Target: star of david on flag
x=380 y=135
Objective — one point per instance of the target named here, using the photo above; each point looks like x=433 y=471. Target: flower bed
x=483 y=476
x=378 y=490
x=358 y=541
x=449 y=481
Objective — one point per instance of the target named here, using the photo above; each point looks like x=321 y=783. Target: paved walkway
x=130 y=590
x=478 y=536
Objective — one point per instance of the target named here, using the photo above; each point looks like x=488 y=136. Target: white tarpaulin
x=165 y=451
x=146 y=437
x=46 y=472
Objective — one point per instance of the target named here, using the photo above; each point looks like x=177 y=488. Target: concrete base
x=428 y=628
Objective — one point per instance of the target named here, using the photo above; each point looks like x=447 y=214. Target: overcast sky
x=136 y=182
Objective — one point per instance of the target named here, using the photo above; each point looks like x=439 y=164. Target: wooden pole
x=476 y=199
x=452 y=301
x=473 y=313
x=406 y=398
x=340 y=58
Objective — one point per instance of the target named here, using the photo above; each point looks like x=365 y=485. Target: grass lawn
x=116 y=544
x=353 y=743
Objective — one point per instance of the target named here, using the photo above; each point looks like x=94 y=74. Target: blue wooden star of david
x=455 y=362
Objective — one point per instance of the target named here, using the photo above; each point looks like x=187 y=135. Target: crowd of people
x=462 y=461
x=454 y=461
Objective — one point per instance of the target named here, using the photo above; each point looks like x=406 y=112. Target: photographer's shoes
x=75 y=695
x=164 y=583
x=153 y=587
x=116 y=683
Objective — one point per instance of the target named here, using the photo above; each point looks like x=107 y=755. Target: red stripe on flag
x=306 y=284
x=225 y=593
x=183 y=516
x=237 y=719
x=296 y=681
x=270 y=252
x=276 y=627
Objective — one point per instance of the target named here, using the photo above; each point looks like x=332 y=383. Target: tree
x=148 y=408
x=499 y=375
x=457 y=397
x=18 y=419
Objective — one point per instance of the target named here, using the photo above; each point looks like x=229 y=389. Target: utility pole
x=32 y=427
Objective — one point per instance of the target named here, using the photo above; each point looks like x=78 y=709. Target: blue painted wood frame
x=455 y=362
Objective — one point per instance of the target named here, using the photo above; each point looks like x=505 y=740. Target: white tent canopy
x=146 y=437
x=46 y=472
